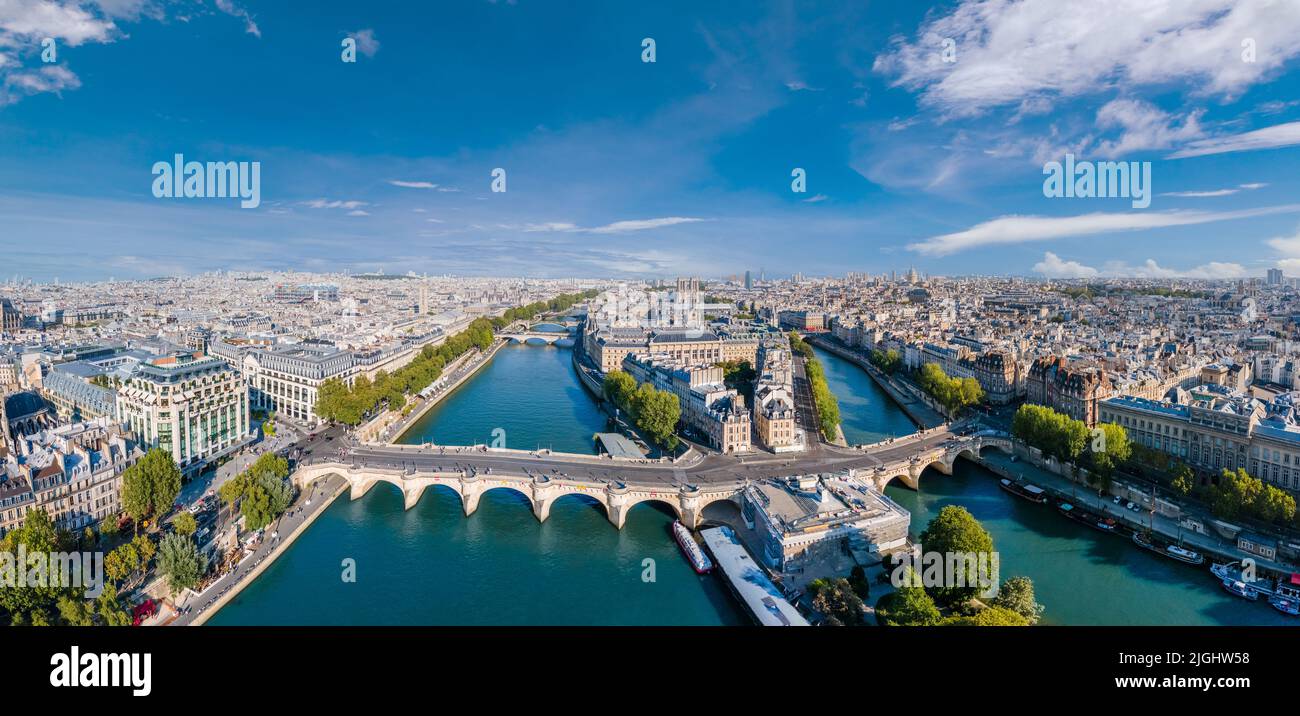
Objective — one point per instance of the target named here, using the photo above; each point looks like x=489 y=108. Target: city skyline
x=914 y=151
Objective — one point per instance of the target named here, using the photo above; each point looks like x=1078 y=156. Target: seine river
x=433 y=565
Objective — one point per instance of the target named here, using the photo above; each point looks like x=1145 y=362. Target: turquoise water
x=434 y=565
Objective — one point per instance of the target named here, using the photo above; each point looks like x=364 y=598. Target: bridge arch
x=585 y=497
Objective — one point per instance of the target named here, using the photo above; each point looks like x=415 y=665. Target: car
x=1117 y=499
x=1130 y=506
x=1135 y=508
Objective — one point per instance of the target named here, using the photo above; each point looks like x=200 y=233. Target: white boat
x=1285 y=605
x=1183 y=554
x=1241 y=589
x=1231 y=572
x=698 y=559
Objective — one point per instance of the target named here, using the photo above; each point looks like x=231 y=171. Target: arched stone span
x=588 y=497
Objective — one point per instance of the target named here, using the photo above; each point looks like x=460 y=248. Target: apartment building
x=192 y=405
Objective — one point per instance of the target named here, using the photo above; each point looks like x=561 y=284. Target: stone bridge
x=546 y=336
x=686 y=502
x=941 y=457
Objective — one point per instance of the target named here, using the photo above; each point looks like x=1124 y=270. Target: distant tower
x=423 y=306
x=749 y=280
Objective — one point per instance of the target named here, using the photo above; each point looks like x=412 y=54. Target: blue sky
x=617 y=167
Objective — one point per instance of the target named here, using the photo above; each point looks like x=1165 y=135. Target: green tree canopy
x=1017 y=594
x=954 y=531
x=180 y=562
x=150 y=486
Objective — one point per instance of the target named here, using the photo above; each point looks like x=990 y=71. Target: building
x=1275 y=277
x=304 y=292
x=286 y=379
x=717 y=413
x=809 y=520
x=774 y=409
x=191 y=405
x=80 y=391
x=11 y=319
x=1074 y=390
x=998 y=374
x=72 y=472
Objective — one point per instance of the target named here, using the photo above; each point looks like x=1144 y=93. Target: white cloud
x=358 y=212
x=334 y=204
x=1017 y=229
x=413 y=184
x=1216 y=192
x=816 y=198
x=366 y=42
x=1280 y=135
x=68 y=23
x=1052 y=266
x=619 y=227
x=230 y=8
x=1010 y=52
x=1143 y=126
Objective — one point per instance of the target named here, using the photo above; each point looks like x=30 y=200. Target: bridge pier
x=470 y=490
x=616 y=501
x=411 y=495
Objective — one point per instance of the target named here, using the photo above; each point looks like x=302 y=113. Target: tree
x=121 y=563
x=150 y=487
x=27 y=604
x=180 y=562
x=836 y=599
x=75 y=612
x=1184 y=480
x=1017 y=594
x=858 y=580
x=618 y=387
x=657 y=413
x=262 y=491
x=185 y=524
x=992 y=616
x=953 y=532
x=910 y=605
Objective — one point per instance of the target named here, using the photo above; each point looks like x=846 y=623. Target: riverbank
x=915 y=406
x=229 y=586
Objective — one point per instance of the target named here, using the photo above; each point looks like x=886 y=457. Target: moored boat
x=1241 y=589
x=1033 y=493
x=1145 y=540
x=1232 y=572
x=700 y=561
x=1285 y=605
x=1092 y=519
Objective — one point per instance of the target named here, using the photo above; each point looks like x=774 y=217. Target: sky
x=923 y=132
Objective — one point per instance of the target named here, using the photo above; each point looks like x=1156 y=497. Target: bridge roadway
x=616 y=483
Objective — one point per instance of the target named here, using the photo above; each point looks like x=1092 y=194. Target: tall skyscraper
x=749 y=280
x=1275 y=277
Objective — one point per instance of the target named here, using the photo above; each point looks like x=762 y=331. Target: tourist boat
x=1286 y=598
x=1231 y=572
x=1033 y=493
x=1241 y=589
x=1144 y=540
x=699 y=561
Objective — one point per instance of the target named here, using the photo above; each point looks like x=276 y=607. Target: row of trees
x=954 y=530
x=828 y=408
x=953 y=394
x=261 y=492
x=336 y=401
x=350 y=405
x=1061 y=437
x=1238 y=494
x=888 y=361
x=654 y=412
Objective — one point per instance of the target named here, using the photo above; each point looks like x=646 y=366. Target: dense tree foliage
x=953 y=394
x=1236 y=494
x=910 y=605
x=991 y=616
x=150 y=486
x=1056 y=434
x=185 y=524
x=261 y=491
x=888 y=361
x=956 y=531
x=180 y=562
x=837 y=600
x=654 y=412
x=1017 y=594
x=739 y=375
